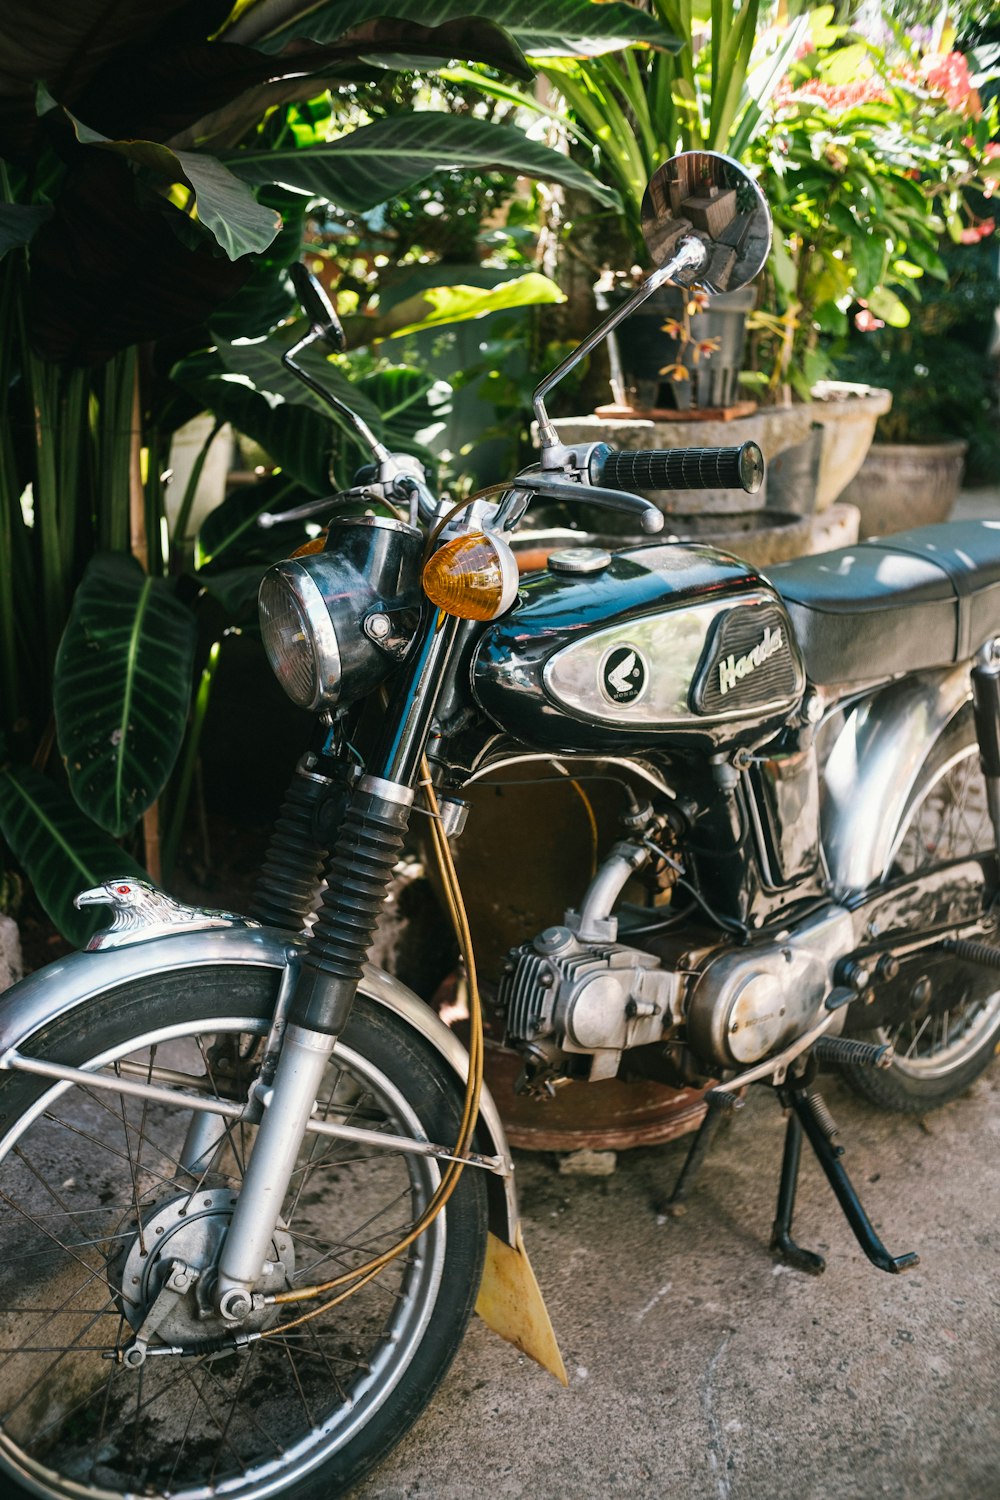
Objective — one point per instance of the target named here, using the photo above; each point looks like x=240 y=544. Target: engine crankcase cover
x=748 y=1002
x=669 y=644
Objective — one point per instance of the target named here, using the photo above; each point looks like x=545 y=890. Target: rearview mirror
x=710 y=197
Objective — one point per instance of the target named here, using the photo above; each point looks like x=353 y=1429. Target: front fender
x=52 y=991
x=873 y=766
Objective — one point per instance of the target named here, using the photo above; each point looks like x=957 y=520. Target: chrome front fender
x=872 y=768
x=52 y=991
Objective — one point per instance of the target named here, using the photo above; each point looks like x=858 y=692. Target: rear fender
x=873 y=766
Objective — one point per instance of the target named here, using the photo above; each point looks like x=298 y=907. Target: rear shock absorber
x=986 y=707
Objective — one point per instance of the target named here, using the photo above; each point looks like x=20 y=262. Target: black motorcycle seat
x=923 y=598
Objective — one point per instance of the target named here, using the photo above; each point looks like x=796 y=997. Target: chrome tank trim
x=673 y=642
x=872 y=767
x=56 y=989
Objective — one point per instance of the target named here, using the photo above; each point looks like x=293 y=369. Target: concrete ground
x=700 y=1369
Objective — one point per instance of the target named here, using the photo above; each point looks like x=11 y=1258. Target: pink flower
x=865 y=321
x=948 y=74
x=977 y=232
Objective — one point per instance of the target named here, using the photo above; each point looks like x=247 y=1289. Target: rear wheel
x=102 y=1192
x=943 y=1041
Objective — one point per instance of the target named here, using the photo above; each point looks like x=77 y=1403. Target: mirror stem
x=379 y=450
x=691 y=256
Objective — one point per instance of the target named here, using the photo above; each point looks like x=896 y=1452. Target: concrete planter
x=900 y=485
x=813 y=450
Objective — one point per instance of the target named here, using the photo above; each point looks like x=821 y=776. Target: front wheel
x=947 y=1032
x=102 y=1191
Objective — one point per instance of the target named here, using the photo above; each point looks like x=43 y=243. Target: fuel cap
x=578 y=560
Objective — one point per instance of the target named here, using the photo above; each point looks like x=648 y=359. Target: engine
x=574 y=989
x=591 y=998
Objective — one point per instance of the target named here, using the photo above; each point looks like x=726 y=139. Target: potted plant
x=944 y=418
x=868 y=152
x=681 y=352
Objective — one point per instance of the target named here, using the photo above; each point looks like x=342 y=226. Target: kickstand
x=716 y=1109
x=806 y=1114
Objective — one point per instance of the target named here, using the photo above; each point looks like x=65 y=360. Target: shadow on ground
x=701 y=1370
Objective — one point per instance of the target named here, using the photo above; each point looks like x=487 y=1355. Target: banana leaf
x=121 y=689
x=61 y=851
x=540 y=27
x=380 y=161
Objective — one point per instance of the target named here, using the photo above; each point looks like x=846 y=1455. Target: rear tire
x=940 y=1052
x=93 y=1196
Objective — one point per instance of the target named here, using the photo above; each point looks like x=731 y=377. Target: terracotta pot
x=900 y=485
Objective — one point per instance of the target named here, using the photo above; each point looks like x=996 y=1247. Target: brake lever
x=650 y=519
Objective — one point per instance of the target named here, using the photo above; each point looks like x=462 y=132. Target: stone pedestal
x=11 y=966
x=833 y=432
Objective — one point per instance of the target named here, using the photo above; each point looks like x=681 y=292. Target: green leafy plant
x=938 y=366
x=155 y=190
x=631 y=110
x=868 y=154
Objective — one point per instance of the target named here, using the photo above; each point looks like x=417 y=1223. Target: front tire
x=942 y=1048
x=94 y=1192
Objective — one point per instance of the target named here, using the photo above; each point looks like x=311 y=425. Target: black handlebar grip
x=739 y=468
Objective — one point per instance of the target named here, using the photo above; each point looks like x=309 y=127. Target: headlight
x=298 y=635
x=334 y=624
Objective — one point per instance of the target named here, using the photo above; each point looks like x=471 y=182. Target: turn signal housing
x=473 y=576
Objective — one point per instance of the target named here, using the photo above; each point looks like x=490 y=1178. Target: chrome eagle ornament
x=141 y=911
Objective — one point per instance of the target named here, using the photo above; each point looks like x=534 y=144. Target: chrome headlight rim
x=320 y=636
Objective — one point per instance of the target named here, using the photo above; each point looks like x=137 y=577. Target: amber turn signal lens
x=473 y=577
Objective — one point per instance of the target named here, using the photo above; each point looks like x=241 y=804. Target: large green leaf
x=540 y=27
x=60 y=850
x=441 y=305
x=298 y=439
x=260 y=361
x=382 y=160
x=225 y=205
x=230 y=534
x=121 y=690
x=19 y=222
x=410 y=401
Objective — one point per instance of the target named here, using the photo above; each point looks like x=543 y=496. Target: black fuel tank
x=667 y=644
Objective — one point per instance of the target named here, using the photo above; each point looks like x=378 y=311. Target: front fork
x=357 y=875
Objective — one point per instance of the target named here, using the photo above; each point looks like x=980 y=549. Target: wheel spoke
x=950 y=820
x=96 y=1201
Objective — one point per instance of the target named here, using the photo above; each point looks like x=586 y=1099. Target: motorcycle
x=253 y=1187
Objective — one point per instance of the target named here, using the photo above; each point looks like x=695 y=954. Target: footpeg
x=841 y=1049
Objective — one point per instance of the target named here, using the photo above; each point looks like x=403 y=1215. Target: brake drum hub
x=191 y=1228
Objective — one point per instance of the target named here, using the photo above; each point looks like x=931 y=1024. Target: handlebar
x=738 y=468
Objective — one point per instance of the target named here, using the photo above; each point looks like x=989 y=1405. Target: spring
x=974 y=953
x=822 y=1115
